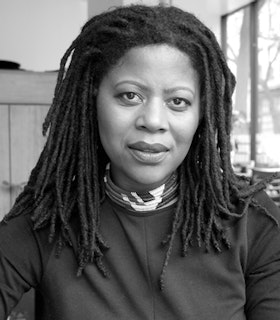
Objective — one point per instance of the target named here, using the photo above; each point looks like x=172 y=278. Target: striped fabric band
x=161 y=197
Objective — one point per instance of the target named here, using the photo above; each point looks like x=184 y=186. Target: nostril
x=152 y=125
x=153 y=117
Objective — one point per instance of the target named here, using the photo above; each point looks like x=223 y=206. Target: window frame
x=253 y=56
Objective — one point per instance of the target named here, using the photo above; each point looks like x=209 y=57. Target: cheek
x=111 y=127
x=105 y=117
x=185 y=131
x=105 y=125
x=183 y=138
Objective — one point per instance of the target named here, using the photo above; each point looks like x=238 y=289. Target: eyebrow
x=178 y=88
x=166 y=91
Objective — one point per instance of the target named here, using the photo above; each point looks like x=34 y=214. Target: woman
x=134 y=191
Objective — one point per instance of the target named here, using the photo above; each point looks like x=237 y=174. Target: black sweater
x=240 y=283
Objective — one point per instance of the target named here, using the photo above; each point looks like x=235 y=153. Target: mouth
x=147 y=147
x=148 y=153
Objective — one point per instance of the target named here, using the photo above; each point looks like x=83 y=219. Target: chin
x=149 y=181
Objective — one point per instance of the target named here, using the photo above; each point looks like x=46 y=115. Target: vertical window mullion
x=254 y=78
x=224 y=35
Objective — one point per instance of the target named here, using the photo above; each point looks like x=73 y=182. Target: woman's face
x=148 y=112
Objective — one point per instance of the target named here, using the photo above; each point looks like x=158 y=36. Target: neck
x=157 y=198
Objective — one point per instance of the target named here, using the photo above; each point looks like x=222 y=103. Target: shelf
x=26 y=87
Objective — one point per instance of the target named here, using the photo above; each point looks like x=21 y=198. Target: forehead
x=157 y=60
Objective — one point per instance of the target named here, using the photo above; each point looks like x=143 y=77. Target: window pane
x=268 y=127
x=238 y=56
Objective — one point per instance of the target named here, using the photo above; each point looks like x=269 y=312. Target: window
x=268 y=93
x=251 y=42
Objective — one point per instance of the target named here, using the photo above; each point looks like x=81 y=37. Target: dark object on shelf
x=11 y=65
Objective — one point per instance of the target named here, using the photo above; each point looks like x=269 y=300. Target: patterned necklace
x=160 y=197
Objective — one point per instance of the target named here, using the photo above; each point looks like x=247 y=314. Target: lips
x=147 y=147
x=148 y=154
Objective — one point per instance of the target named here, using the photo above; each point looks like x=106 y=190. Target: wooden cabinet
x=21 y=143
x=25 y=98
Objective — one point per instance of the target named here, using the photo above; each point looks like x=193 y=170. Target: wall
x=36 y=33
x=95 y=7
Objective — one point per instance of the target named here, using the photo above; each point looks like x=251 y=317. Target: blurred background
x=34 y=34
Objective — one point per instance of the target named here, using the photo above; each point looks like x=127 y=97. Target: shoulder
x=262 y=274
x=264 y=203
x=263 y=214
x=17 y=231
x=23 y=247
x=263 y=232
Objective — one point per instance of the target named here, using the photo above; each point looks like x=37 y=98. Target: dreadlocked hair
x=68 y=178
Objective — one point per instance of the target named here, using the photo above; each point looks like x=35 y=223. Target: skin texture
x=150 y=96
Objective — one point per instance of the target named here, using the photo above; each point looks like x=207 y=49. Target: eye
x=179 y=103
x=131 y=98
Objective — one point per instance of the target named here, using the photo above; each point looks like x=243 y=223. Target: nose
x=153 y=116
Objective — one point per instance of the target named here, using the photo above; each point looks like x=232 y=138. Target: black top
x=240 y=283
